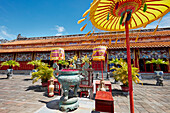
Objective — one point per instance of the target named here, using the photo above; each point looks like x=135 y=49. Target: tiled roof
x=90 y=47
x=83 y=38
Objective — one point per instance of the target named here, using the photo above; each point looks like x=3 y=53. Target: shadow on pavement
x=37 y=88
x=148 y=84
x=3 y=78
x=27 y=79
x=118 y=92
x=54 y=104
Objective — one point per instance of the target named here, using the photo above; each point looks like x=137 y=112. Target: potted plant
x=44 y=73
x=63 y=63
x=121 y=74
x=35 y=63
x=115 y=62
x=72 y=62
x=10 y=63
x=158 y=72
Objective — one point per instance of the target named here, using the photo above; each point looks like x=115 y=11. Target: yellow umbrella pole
x=129 y=68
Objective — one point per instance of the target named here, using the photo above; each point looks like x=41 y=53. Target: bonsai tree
x=35 y=63
x=44 y=73
x=10 y=63
x=157 y=62
x=121 y=73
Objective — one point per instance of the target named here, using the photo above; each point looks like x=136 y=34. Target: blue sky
x=33 y=18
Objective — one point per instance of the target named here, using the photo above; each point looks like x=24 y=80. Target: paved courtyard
x=19 y=95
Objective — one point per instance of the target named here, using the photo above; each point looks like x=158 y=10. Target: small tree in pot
x=44 y=73
x=121 y=74
x=10 y=63
x=35 y=63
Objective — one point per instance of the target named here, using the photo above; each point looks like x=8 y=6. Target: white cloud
x=4 y=34
x=58 y=34
x=59 y=28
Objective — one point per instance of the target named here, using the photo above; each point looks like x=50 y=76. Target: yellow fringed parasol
x=122 y=15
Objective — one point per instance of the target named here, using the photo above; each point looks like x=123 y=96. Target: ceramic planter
x=125 y=88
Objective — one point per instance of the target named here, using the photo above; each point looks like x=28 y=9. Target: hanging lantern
x=99 y=53
x=57 y=54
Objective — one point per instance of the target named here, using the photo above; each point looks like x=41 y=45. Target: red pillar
x=129 y=68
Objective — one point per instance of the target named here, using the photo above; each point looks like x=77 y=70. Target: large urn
x=68 y=77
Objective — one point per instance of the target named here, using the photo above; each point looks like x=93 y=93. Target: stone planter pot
x=159 y=78
x=159 y=73
x=9 y=73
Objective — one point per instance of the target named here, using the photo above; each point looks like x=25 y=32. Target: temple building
x=145 y=45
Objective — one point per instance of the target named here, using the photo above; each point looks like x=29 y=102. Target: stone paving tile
x=19 y=95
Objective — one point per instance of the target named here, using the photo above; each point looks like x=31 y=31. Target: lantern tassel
x=86 y=12
x=145 y=8
x=82 y=28
x=121 y=20
x=108 y=16
x=124 y=18
x=81 y=20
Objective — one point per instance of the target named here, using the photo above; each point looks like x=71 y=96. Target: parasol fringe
x=91 y=34
x=81 y=20
x=95 y=38
x=82 y=28
x=85 y=13
x=138 y=36
x=155 y=29
x=87 y=33
x=145 y=25
x=157 y=26
x=101 y=40
x=93 y=5
x=116 y=40
x=110 y=41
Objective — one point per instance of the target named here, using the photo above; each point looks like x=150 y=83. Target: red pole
x=129 y=68
x=102 y=68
